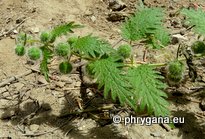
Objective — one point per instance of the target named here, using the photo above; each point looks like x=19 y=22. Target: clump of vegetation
x=198 y=47
x=175 y=71
x=34 y=53
x=139 y=86
x=20 y=50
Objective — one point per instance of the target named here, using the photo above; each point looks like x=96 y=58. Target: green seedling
x=20 y=50
x=138 y=86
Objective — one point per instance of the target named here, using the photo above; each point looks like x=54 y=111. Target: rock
x=18 y=21
x=176 y=38
x=52 y=86
x=3 y=90
x=18 y=86
x=93 y=18
x=62 y=101
x=55 y=93
x=45 y=106
x=42 y=80
x=156 y=134
x=202 y=105
x=12 y=36
x=7 y=115
x=4 y=102
x=66 y=79
x=116 y=5
x=7 y=87
x=15 y=31
x=34 y=127
x=60 y=84
x=89 y=92
x=78 y=84
x=175 y=23
x=88 y=13
x=116 y=16
x=35 y=30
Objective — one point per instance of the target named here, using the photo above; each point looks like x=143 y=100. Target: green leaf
x=145 y=23
x=63 y=30
x=108 y=74
x=89 y=46
x=195 y=18
x=47 y=54
x=161 y=39
x=148 y=90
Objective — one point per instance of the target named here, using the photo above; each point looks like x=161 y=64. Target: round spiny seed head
x=45 y=36
x=20 y=50
x=62 y=49
x=176 y=68
x=72 y=40
x=21 y=37
x=65 y=67
x=174 y=79
x=198 y=47
x=34 y=53
x=124 y=50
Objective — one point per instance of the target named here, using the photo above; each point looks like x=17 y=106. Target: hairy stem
x=160 y=64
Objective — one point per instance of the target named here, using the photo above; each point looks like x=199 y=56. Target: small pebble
x=35 y=30
x=156 y=134
x=62 y=101
x=93 y=18
x=18 y=86
x=78 y=84
x=34 y=127
x=88 y=13
x=60 y=84
x=42 y=80
x=3 y=90
x=15 y=31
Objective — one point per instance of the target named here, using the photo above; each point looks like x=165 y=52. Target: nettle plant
x=140 y=86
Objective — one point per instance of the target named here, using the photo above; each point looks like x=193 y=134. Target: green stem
x=162 y=64
x=32 y=41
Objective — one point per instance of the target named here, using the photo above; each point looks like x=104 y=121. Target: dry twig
x=11 y=79
x=8 y=32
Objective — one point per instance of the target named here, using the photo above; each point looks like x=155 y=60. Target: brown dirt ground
x=29 y=106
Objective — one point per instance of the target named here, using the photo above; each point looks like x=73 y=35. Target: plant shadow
x=192 y=128
x=33 y=113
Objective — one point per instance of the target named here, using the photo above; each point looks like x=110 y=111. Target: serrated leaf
x=159 y=40
x=64 y=29
x=145 y=23
x=90 y=46
x=148 y=90
x=195 y=18
x=108 y=74
x=162 y=37
x=47 y=54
